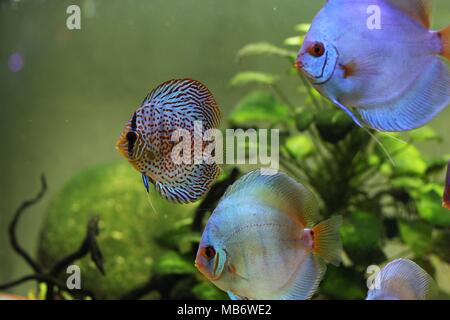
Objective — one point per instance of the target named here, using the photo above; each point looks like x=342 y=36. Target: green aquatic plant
x=391 y=209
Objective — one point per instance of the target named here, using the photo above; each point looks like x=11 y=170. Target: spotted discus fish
x=265 y=240
x=146 y=141
x=402 y=279
x=391 y=73
x=446 y=198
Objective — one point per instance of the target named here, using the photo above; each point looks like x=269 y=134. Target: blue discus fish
x=393 y=75
x=146 y=141
x=402 y=279
x=266 y=240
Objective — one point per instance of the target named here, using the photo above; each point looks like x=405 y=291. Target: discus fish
x=264 y=240
x=146 y=141
x=392 y=74
x=446 y=198
x=402 y=279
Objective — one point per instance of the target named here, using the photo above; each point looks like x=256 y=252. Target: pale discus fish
x=146 y=141
x=393 y=75
x=402 y=279
x=265 y=240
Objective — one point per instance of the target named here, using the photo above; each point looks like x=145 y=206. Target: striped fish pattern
x=146 y=139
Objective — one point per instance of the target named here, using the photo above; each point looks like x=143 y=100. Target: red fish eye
x=210 y=252
x=317 y=49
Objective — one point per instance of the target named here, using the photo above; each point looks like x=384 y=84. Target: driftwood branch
x=13 y=226
x=89 y=245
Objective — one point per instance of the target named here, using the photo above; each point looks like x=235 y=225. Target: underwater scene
x=225 y=150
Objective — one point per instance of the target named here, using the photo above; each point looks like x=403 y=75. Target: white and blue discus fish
x=146 y=141
x=402 y=279
x=266 y=240
x=380 y=58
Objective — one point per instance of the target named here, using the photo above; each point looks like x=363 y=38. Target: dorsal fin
x=402 y=279
x=279 y=191
x=418 y=9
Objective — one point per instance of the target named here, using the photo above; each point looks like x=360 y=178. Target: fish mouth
x=298 y=65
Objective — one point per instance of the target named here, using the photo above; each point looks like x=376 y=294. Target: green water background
x=64 y=110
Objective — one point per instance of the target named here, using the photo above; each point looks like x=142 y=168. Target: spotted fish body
x=266 y=240
x=146 y=141
x=402 y=279
x=446 y=198
x=392 y=77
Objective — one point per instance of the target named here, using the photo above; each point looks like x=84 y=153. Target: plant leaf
x=302 y=27
x=417 y=235
x=300 y=146
x=294 y=41
x=425 y=133
x=429 y=205
x=264 y=48
x=172 y=263
x=407 y=158
x=259 y=106
x=247 y=77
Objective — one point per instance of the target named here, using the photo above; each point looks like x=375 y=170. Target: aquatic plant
x=390 y=209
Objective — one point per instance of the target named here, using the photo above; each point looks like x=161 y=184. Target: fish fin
x=305 y=281
x=357 y=121
x=444 y=34
x=198 y=181
x=326 y=240
x=348 y=112
x=363 y=66
x=235 y=296
x=419 y=10
x=188 y=97
x=428 y=96
x=277 y=190
x=402 y=279
x=145 y=180
x=446 y=197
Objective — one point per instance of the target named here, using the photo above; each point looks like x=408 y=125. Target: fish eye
x=317 y=49
x=210 y=252
x=131 y=138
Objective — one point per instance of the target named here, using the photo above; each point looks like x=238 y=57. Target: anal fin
x=428 y=96
x=305 y=281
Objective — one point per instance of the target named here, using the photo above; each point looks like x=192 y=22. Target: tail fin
x=326 y=242
x=445 y=38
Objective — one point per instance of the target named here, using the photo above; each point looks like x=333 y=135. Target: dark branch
x=13 y=226
x=89 y=245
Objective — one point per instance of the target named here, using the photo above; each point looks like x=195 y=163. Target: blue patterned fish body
x=393 y=76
